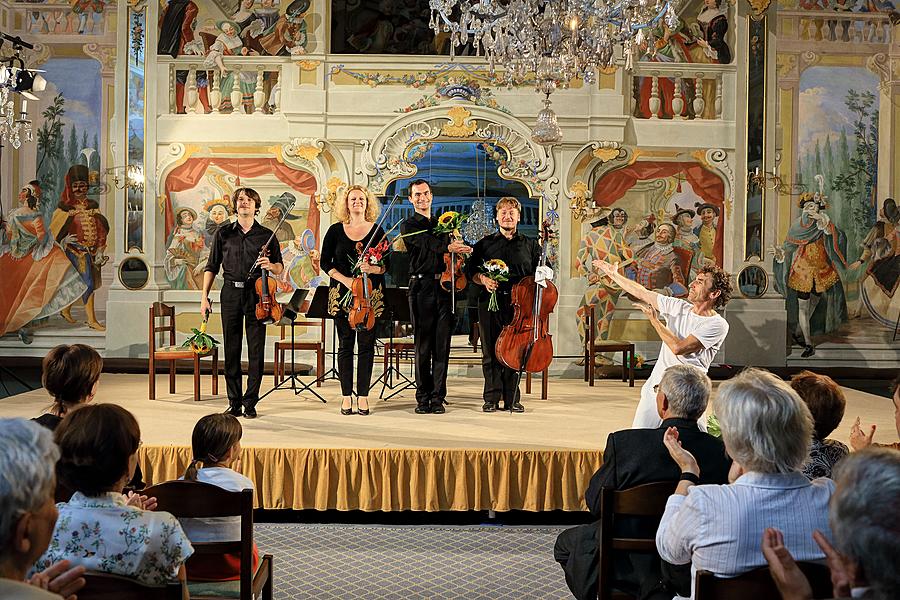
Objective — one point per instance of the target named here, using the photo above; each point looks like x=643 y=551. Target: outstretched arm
x=611 y=270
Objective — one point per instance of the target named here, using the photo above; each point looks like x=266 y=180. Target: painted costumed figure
x=183 y=264
x=605 y=241
x=81 y=230
x=38 y=278
x=806 y=272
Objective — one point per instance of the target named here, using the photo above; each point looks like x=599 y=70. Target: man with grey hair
x=634 y=457
x=863 y=561
x=28 y=514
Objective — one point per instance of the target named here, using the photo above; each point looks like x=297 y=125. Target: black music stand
x=291 y=309
x=318 y=309
x=396 y=303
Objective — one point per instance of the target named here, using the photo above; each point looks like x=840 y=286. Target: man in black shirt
x=429 y=304
x=521 y=256
x=235 y=248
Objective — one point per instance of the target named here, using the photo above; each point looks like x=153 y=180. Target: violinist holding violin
x=236 y=250
x=522 y=256
x=429 y=303
x=356 y=212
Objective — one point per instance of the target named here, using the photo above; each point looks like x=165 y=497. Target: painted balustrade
x=845 y=28
x=681 y=91
x=247 y=85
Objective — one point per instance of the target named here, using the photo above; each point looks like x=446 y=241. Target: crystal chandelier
x=17 y=80
x=552 y=42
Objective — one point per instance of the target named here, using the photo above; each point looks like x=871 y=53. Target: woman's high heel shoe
x=348 y=411
x=360 y=410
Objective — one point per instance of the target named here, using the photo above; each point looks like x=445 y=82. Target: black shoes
x=249 y=412
x=807 y=352
x=437 y=409
x=423 y=409
x=360 y=410
x=234 y=411
x=516 y=407
x=348 y=410
x=489 y=406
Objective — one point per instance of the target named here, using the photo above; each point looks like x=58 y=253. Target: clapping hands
x=684 y=459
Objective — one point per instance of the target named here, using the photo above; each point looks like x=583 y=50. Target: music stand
x=292 y=308
x=318 y=309
x=396 y=302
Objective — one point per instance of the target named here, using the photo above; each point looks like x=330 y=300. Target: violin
x=525 y=344
x=453 y=276
x=362 y=315
x=268 y=310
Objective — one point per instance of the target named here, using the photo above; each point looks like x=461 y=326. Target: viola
x=525 y=344
x=268 y=310
x=362 y=315
x=453 y=272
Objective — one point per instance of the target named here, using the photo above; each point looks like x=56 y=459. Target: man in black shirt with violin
x=522 y=256
x=429 y=304
x=236 y=249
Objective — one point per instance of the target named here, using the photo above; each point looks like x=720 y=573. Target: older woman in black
x=356 y=211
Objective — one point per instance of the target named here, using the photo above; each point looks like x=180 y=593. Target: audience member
x=767 y=430
x=216 y=444
x=863 y=561
x=859 y=440
x=71 y=374
x=637 y=456
x=826 y=402
x=99 y=527
x=28 y=514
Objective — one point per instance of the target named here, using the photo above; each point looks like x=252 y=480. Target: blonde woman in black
x=356 y=211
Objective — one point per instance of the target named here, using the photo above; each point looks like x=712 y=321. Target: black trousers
x=365 y=341
x=433 y=322
x=238 y=317
x=499 y=380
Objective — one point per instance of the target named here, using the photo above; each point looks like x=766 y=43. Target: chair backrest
x=319 y=323
x=166 y=314
x=647 y=501
x=758 y=584
x=105 y=586
x=194 y=500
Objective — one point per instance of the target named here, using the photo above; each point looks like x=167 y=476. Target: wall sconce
x=131 y=177
x=761 y=180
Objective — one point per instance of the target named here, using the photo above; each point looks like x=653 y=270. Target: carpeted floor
x=410 y=562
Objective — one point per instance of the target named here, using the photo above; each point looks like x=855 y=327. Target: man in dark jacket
x=634 y=457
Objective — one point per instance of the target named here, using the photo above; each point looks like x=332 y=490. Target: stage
x=303 y=454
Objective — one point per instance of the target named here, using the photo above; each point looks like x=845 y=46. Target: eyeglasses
x=656 y=389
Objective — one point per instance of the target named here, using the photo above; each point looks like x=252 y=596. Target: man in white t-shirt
x=693 y=331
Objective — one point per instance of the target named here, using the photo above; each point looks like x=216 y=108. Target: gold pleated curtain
x=400 y=479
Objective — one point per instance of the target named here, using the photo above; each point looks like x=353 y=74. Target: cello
x=525 y=344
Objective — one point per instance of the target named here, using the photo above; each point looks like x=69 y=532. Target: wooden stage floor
x=318 y=458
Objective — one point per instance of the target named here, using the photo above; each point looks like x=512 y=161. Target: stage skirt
x=402 y=479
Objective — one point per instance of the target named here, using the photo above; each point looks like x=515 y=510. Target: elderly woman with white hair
x=28 y=514
x=767 y=431
x=863 y=561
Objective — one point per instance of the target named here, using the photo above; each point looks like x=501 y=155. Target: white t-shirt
x=683 y=322
x=217 y=529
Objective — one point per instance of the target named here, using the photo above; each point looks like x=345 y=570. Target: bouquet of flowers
x=450 y=222
x=497 y=270
x=201 y=342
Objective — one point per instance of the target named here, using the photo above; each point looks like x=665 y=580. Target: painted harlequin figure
x=660 y=266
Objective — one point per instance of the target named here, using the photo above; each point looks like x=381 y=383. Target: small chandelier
x=552 y=42
x=132 y=177
x=16 y=79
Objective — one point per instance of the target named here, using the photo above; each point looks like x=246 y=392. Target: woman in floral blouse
x=100 y=528
x=826 y=402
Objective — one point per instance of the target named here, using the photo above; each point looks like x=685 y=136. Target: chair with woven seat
x=593 y=347
x=283 y=346
x=105 y=586
x=173 y=353
x=758 y=584
x=647 y=501
x=197 y=500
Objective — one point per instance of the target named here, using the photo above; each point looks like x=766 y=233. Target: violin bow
x=262 y=251
x=380 y=222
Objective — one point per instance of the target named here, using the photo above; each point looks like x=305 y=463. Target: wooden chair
x=190 y=499
x=283 y=346
x=593 y=347
x=172 y=353
x=396 y=349
x=758 y=584
x=544 y=382
x=105 y=586
x=648 y=500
